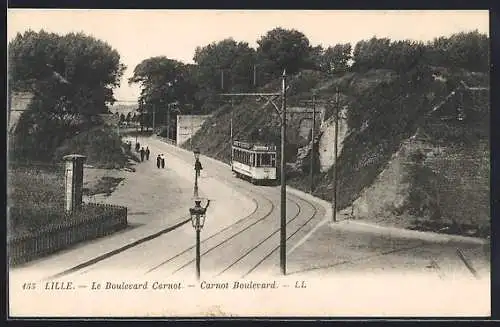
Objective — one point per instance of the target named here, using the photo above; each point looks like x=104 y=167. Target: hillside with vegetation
x=421 y=107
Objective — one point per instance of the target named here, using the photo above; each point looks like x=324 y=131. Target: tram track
x=254 y=248
x=265 y=205
x=247 y=229
x=309 y=219
x=243 y=187
x=206 y=240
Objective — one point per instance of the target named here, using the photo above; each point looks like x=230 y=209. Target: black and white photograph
x=248 y=163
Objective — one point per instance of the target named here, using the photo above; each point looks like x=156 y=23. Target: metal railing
x=167 y=140
x=30 y=245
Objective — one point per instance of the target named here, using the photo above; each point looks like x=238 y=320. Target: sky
x=141 y=34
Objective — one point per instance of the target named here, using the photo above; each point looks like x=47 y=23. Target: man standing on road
x=147 y=153
x=158 y=161
x=142 y=154
x=162 y=161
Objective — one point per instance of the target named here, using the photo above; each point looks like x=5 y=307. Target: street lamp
x=198 y=215
x=197 y=168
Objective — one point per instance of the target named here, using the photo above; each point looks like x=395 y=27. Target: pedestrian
x=147 y=153
x=142 y=154
x=137 y=147
x=162 y=161
x=158 y=161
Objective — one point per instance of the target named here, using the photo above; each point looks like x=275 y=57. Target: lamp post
x=197 y=168
x=198 y=215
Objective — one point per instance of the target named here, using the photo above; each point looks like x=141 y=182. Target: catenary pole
x=168 y=121
x=312 y=142
x=335 y=155
x=154 y=114
x=282 y=114
x=283 y=177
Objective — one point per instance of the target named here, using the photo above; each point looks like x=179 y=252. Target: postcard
x=240 y=163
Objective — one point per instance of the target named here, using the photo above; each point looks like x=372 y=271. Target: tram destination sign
x=264 y=147
x=255 y=147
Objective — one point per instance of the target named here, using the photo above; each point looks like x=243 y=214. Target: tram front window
x=265 y=160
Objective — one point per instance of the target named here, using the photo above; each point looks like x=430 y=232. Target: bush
x=36 y=186
x=36 y=200
x=103 y=148
x=35 y=193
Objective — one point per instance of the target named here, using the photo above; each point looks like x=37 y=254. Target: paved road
x=241 y=231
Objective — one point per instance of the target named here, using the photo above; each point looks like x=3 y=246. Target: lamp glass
x=202 y=221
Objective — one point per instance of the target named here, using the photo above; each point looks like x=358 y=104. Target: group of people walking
x=144 y=153
x=160 y=159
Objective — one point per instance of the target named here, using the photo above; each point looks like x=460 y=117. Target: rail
x=167 y=140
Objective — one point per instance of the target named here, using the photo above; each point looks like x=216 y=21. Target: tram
x=254 y=161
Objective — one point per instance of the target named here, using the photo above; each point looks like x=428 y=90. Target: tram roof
x=254 y=146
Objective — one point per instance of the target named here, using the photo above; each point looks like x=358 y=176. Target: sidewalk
x=351 y=246
x=157 y=201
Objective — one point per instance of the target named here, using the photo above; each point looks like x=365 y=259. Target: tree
x=226 y=65
x=336 y=59
x=464 y=50
x=369 y=54
x=283 y=49
x=405 y=55
x=162 y=81
x=80 y=68
x=315 y=59
x=72 y=78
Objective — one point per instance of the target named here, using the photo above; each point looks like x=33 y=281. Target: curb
x=409 y=233
x=120 y=249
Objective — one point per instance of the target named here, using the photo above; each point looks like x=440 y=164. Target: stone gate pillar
x=73 y=181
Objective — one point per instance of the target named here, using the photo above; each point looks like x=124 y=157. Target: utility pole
x=283 y=177
x=168 y=121
x=335 y=155
x=222 y=79
x=232 y=136
x=154 y=113
x=254 y=75
x=312 y=142
x=282 y=113
x=313 y=102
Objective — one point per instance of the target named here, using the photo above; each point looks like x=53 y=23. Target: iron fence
x=93 y=221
